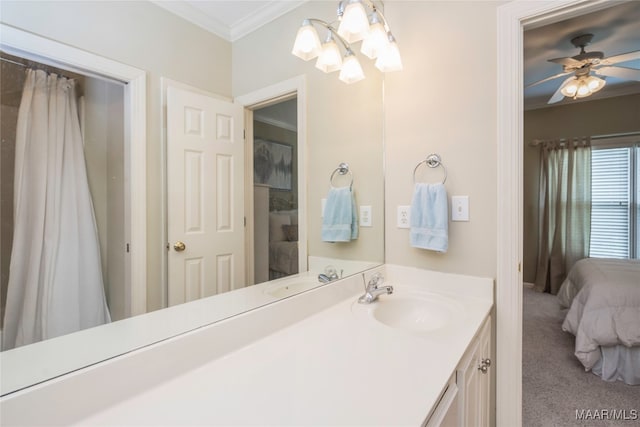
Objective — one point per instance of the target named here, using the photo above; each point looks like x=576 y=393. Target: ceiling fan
x=582 y=68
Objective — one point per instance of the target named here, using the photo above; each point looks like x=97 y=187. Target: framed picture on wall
x=272 y=164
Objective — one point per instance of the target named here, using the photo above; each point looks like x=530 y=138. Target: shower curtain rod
x=43 y=68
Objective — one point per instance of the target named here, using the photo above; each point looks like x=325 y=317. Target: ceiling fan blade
x=623 y=57
x=619 y=72
x=567 y=62
x=557 y=96
x=548 y=78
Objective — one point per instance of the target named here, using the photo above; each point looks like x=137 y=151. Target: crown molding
x=189 y=13
x=261 y=16
x=271 y=11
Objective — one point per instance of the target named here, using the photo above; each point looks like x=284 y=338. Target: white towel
x=429 y=217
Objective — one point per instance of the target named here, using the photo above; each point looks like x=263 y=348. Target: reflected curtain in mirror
x=55 y=280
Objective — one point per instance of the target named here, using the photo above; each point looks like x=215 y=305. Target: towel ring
x=433 y=161
x=342 y=169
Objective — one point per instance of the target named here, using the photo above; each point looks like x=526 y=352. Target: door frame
x=512 y=19
x=264 y=97
x=51 y=52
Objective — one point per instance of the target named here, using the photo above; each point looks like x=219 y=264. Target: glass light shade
x=583 y=86
x=351 y=71
x=307 y=44
x=354 y=24
x=389 y=59
x=376 y=40
x=330 y=58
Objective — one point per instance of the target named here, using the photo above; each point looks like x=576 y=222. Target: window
x=615 y=198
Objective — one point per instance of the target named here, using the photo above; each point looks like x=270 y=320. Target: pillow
x=276 y=221
x=291 y=232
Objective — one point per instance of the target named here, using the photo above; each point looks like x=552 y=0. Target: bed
x=603 y=297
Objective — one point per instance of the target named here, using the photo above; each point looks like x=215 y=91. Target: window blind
x=610 y=202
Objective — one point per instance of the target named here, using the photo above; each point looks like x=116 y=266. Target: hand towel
x=429 y=217
x=340 y=222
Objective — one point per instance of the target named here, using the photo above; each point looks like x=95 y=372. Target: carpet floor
x=554 y=383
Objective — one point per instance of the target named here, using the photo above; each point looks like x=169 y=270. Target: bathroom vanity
x=420 y=356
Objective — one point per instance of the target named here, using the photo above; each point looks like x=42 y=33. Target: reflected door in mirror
x=205 y=195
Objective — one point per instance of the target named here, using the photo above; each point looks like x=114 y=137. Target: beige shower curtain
x=565 y=210
x=55 y=278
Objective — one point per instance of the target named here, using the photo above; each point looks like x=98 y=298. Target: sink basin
x=416 y=312
x=281 y=290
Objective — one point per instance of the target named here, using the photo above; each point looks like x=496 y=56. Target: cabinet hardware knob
x=179 y=246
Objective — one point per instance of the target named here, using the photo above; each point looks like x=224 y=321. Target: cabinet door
x=474 y=382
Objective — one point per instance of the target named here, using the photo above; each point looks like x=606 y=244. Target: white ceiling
x=616 y=30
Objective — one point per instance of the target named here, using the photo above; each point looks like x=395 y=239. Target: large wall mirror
x=334 y=123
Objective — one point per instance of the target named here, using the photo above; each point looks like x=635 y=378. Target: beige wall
x=600 y=117
x=143 y=35
x=444 y=102
x=344 y=124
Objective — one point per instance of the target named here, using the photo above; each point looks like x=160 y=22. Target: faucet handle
x=375 y=281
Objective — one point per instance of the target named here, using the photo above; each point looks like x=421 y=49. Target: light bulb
x=583 y=90
x=389 y=59
x=307 y=44
x=329 y=59
x=354 y=24
x=570 y=89
x=595 y=83
x=351 y=71
x=376 y=40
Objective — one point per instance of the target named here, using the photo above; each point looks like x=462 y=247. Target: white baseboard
x=527 y=285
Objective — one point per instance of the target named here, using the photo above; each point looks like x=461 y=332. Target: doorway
x=275 y=190
x=513 y=18
x=290 y=95
x=131 y=101
x=100 y=107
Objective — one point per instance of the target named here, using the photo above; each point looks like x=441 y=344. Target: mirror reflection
x=279 y=183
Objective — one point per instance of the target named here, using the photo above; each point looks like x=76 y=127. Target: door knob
x=179 y=246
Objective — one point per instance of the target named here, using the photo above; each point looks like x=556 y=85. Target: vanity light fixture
x=355 y=24
x=582 y=86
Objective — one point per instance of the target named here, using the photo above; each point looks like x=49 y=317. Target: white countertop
x=337 y=367
x=333 y=368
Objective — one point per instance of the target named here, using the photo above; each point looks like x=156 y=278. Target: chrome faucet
x=330 y=274
x=375 y=289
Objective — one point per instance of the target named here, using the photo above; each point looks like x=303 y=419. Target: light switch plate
x=404 y=216
x=460 y=208
x=365 y=216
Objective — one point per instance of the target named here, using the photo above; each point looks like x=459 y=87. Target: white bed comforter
x=606 y=307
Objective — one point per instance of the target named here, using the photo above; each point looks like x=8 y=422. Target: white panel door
x=205 y=184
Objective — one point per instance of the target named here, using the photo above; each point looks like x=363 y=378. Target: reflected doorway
x=276 y=190
x=101 y=114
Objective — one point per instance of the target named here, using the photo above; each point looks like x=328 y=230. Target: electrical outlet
x=404 y=216
x=365 y=216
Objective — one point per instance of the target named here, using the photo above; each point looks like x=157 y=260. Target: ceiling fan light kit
x=355 y=24
x=581 y=87
x=583 y=84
